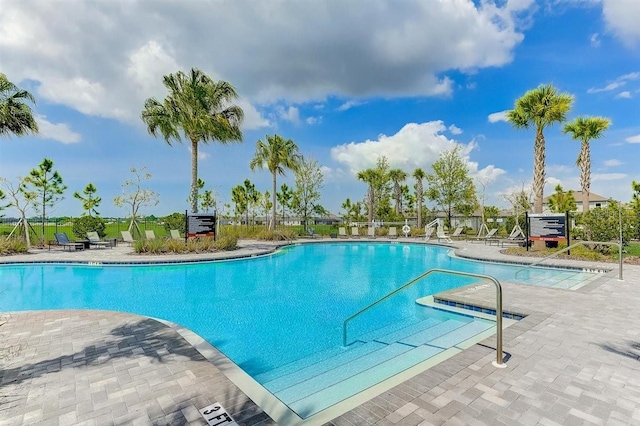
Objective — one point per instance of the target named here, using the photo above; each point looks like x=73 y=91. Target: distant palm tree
x=276 y=154
x=585 y=129
x=370 y=177
x=198 y=108
x=540 y=107
x=419 y=175
x=16 y=117
x=561 y=201
x=397 y=176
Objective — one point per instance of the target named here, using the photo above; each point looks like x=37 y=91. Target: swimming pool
x=273 y=314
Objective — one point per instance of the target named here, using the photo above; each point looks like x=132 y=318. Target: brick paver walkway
x=574 y=360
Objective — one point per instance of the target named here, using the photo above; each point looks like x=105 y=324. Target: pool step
x=318 y=381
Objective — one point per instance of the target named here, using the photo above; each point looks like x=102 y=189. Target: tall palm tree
x=276 y=154
x=369 y=176
x=540 y=107
x=397 y=176
x=201 y=110
x=585 y=129
x=16 y=117
x=419 y=175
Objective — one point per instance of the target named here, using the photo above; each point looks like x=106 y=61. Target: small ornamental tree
x=306 y=197
x=134 y=196
x=603 y=224
x=89 y=200
x=86 y=224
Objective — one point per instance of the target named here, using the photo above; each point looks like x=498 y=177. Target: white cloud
x=633 y=139
x=455 y=130
x=415 y=145
x=618 y=82
x=291 y=114
x=595 y=40
x=624 y=95
x=621 y=17
x=104 y=60
x=498 y=116
x=201 y=154
x=560 y=169
x=612 y=163
x=59 y=132
x=608 y=176
x=348 y=105
x=314 y=120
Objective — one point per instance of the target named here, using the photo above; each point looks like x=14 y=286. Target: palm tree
x=16 y=117
x=397 y=176
x=585 y=129
x=276 y=154
x=561 y=201
x=199 y=108
x=419 y=175
x=540 y=107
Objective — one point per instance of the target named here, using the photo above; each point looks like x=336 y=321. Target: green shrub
x=175 y=221
x=277 y=235
x=195 y=245
x=227 y=242
x=86 y=224
x=12 y=246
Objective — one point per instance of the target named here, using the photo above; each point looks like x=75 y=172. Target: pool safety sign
x=547 y=227
x=203 y=225
x=215 y=415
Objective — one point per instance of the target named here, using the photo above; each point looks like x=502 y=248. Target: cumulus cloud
x=291 y=114
x=621 y=17
x=612 y=163
x=498 y=116
x=415 y=145
x=348 y=105
x=314 y=120
x=58 y=132
x=455 y=130
x=624 y=95
x=633 y=139
x=104 y=60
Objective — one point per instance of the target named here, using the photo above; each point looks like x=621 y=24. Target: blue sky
x=347 y=81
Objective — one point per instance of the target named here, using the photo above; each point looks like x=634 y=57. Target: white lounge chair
x=393 y=232
x=355 y=232
x=94 y=240
x=175 y=234
x=149 y=234
x=458 y=232
x=489 y=236
x=371 y=232
x=342 y=232
x=428 y=233
x=442 y=237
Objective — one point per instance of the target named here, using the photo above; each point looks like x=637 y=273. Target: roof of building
x=593 y=197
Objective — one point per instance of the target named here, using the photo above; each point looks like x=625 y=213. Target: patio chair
x=489 y=236
x=175 y=234
x=458 y=233
x=94 y=240
x=63 y=240
x=342 y=232
x=355 y=232
x=442 y=236
x=393 y=232
x=149 y=234
x=127 y=238
x=371 y=232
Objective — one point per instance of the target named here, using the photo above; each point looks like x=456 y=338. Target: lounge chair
x=127 y=238
x=371 y=232
x=175 y=234
x=393 y=232
x=355 y=232
x=94 y=240
x=63 y=240
x=149 y=234
x=342 y=232
x=311 y=233
x=428 y=233
x=442 y=236
x=489 y=236
x=458 y=233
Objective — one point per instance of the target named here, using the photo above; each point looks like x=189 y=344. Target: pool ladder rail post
x=498 y=363
x=556 y=253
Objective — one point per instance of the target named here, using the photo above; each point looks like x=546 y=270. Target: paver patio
x=574 y=360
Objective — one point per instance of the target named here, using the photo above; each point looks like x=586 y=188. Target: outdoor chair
x=442 y=236
x=371 y=232
x=175 y=234
x=488 y=237
x=428 y=233
x=458 y=233
x=355 y=232
x=149 y=234
x=94 y=240
x=63 y=240
x=342 y=232
x=393 y=232
x=127 y=238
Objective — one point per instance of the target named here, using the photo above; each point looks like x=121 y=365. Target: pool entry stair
x=320 y=380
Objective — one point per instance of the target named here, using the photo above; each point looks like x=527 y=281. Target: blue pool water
x=261 y=312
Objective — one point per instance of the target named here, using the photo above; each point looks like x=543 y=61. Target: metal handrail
x=575 y=245
x=498 y=362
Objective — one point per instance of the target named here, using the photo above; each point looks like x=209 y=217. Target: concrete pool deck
x=575 y=359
